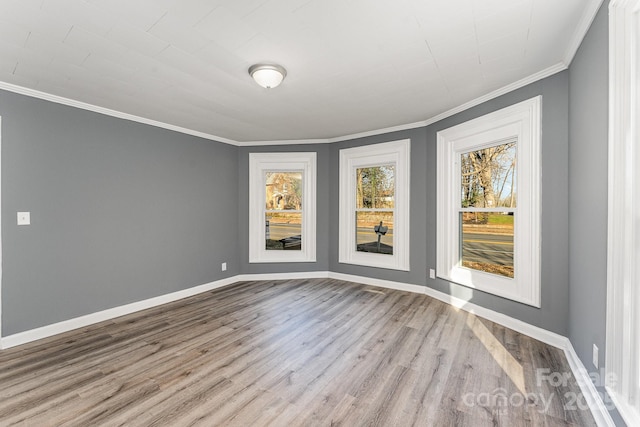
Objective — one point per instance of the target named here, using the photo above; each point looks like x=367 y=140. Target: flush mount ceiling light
x=267 y=75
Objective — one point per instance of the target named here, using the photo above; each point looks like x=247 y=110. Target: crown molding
x=554 y=69
x=590 y=12
x=561 y=66
x=9 y=87
x=281 y=142
x=407 y=126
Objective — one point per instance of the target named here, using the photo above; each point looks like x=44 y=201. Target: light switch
x=24 y=218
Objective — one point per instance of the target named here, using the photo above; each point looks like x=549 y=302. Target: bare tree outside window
x=375 y=208
x=489 y=176
x=487 y=210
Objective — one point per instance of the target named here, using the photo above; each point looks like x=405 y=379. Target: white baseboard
x=628 y=413
x=600 y=413
x=282 y=276
x=589 y=391
x=378 y=282
x=111 y=313
x=591 y=394
x=525 y=328
x=540 y=334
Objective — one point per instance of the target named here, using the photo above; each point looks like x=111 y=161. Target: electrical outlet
x=224 y=266
x=24 y=218
x=432 y=273
x=595 y=356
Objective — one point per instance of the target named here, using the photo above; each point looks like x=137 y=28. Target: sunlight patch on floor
x=503 y=358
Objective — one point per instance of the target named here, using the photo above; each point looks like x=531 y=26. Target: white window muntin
x=394 y=153
x=520 y=122
x=259 y=165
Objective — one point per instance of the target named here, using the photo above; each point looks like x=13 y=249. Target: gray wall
x=123 y=211
x=553 y=314
x=588 y=140
x=418 y=206
x=120 y=212
x=322 y=211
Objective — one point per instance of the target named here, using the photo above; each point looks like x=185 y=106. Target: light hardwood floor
x=291 y=353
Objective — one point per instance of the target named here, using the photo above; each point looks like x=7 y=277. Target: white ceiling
x=353 y=65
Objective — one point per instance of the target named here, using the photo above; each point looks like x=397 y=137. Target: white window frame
x=259 y=165
x=395 y=153
x=1 y=339
x=520 y=121
x=623 y=258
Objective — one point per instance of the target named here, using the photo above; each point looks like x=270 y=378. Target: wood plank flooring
x=314 y=352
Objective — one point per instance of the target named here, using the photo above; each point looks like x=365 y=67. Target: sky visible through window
x=488 y=181
x=375 y=207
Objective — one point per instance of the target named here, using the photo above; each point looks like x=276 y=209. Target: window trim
x=394 y=152
x=259 y=164
x=522 y=121
x=622 y=362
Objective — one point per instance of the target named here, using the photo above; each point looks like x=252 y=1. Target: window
x=374 y=205
x=487 y=208
x=623 y=269
x=282 y=201
x=488 y=233
x=375 y=209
